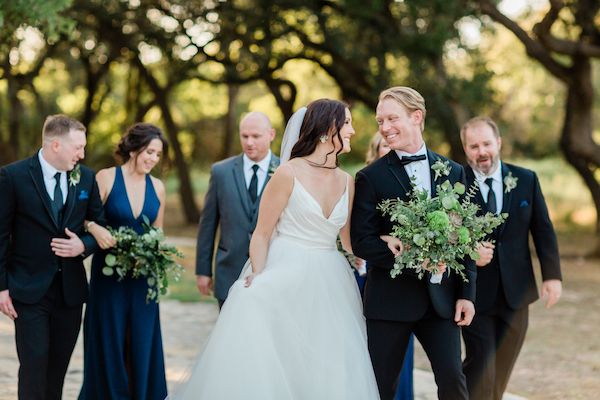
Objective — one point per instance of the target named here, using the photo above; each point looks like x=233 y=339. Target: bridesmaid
x=377 y=149
x=123 y=354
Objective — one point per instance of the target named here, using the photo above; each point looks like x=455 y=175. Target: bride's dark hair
x=321 y=117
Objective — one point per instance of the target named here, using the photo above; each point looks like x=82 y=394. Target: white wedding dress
x=298 y=331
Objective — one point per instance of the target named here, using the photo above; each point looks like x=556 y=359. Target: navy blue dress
x=123 y=354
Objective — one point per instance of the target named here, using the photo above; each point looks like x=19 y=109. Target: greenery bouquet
x=144 y=255
x=440 y=229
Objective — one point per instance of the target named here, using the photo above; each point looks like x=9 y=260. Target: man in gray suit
x=231 y=204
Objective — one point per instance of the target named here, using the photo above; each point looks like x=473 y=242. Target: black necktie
x=491 y=197
x=404 y=160
x=57 y=203
x=253 y=188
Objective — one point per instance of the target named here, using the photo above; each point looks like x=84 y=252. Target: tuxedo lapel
x=398 y=171
x=70 y=200
x=471 y=181
x=273 y=164
x=240 y=183
x=35 y=170
x=432 y=158
x=506 y=197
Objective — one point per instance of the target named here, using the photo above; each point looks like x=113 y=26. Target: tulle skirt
x=297 y=332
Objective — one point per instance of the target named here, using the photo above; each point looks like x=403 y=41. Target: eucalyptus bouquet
x=440 y=229
x=144 y=255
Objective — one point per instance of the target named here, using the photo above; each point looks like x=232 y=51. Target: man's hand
x=6 y=305
x=486 y=253
x=465 y=311
x=394 y=244
x=361 y=266
x=204 y=284
x=71 y=247
x=439 y=269
x=551 y=291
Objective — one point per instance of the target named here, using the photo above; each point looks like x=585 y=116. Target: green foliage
x=43 y=15
x=442 y=229
x=144 y=256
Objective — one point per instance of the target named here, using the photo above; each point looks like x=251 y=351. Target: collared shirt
x=496 y=185
x=420 y=170
x=261 y=173
x=48 y=172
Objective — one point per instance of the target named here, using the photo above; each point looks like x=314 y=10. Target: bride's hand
x=103 y=237
x=248 y=280
x=394 y=244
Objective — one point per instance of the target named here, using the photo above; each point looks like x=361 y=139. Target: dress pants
x=493 y=342
x=45 y=333
x=440 y=339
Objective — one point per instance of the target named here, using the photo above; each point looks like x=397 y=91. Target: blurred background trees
x=194 y=67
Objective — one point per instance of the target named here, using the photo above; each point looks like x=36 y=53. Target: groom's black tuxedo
x=506 y=286
x=395 y=307
x=47 y=291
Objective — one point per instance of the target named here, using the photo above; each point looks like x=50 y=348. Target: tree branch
x=533 y=48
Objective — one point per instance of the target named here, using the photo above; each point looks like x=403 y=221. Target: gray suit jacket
x=228 y=207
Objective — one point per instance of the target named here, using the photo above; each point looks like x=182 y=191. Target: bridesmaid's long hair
x=137 y=138
x=322 y=116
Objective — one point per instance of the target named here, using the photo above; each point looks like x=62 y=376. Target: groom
x=43 y=204
x=397 y=307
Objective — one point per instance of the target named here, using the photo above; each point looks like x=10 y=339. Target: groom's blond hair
x=408 y=98
x=59 y=125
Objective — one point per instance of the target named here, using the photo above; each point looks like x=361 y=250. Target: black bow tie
x=404 y=160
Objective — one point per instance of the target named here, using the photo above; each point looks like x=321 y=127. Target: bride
x=292 y=327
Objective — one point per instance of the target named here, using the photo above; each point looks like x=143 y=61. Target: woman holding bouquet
x=123 y=355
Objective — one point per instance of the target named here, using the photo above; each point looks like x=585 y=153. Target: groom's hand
x=6 y=305
x=465 y=311
x=71 y=247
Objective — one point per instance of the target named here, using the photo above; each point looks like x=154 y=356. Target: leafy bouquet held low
x=144 y=255
x=441 y=229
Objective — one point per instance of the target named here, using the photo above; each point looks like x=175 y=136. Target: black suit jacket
x=404 y=298
x=511 y=268
x=27 y=226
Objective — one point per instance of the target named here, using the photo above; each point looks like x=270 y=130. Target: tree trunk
x=186 y=193
x=577 y=133
x=230 y=126
x=285 y=101
x=14 y=116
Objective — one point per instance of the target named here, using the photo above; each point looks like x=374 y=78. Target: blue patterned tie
x=57 y=202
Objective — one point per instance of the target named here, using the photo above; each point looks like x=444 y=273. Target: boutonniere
x=440 y=168
x=272 y=167
x=510 y=182
x=75 y=175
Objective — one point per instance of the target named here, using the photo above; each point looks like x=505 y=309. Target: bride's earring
x=323 y=138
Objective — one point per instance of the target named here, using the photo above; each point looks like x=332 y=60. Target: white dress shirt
x=496 y=185
x=261 y=173
x=48 y=172
x=420 y=170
